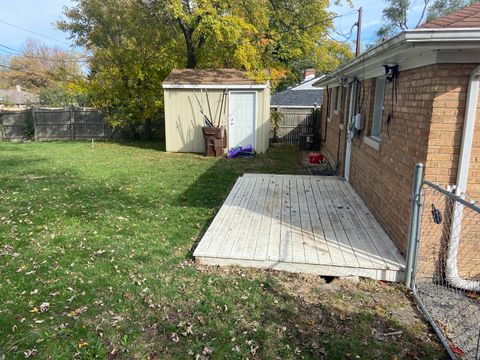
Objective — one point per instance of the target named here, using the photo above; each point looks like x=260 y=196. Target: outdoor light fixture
x=391 y=71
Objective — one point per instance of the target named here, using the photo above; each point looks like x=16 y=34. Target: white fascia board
x=214 y=86
x=419 y=42
x=458 y=34
x=294 y=106
x=308 y=85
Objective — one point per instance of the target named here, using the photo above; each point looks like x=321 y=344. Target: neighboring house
x=17 y=98
x=297 y=105
x=229 y=96
x=417 y=113
x=302 y=96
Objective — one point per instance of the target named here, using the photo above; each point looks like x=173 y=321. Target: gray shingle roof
x=15 y=97
x=297 y=98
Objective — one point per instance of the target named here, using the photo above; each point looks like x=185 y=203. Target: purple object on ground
x=239 y=151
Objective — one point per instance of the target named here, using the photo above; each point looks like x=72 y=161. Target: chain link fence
x=446 y=271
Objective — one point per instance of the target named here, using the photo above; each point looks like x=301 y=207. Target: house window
x=380 y=85
x=339 y=98
x=331 y=103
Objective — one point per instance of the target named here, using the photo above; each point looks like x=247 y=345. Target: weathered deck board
x=300 y=224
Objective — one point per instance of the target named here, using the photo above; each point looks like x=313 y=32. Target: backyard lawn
x=95 y=261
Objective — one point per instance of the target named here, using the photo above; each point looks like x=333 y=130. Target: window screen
x=378 y=106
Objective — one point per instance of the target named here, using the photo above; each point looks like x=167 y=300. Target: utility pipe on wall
x=451 y=270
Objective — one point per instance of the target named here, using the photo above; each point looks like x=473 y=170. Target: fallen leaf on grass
x=44 y=307
x=457 y=350
x=174 y=337
x=30 y=353
x=472 y=295
x=207 y=351
x=77 y=312
x=82 y=344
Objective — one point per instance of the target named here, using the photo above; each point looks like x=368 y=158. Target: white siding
x=183 y=118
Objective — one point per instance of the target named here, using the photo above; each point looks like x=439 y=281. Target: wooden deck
x=311 y=224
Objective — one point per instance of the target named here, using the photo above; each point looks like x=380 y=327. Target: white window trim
x=338 y=105
x=379 y=122
x=372 y=141
x=331 y=105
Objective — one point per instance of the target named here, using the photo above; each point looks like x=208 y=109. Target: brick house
x=411 y=96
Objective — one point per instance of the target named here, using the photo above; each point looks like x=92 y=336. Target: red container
x=315 y=158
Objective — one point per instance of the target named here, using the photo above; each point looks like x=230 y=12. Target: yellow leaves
x=77 y=312
x=82 y=344
x=34 y=310
x=263 y=42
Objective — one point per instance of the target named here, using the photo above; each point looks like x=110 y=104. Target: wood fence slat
x=295 y=122
x=54 y=124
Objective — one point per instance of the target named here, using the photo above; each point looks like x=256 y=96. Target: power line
x=29 y=72
x=33 y=32
x=22 y=71
x=345 y=36
x=15 y=52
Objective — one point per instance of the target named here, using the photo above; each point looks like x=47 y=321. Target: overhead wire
x=33 y=32
x=12 y=51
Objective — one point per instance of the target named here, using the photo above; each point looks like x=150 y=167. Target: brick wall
x=383 y=177
x=426 y=127
x=450 y=85
x=334 y=145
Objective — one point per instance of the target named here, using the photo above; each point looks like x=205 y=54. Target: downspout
x=451 y=270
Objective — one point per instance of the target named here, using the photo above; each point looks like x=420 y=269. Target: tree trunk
x=191 y=59
x=187 y=33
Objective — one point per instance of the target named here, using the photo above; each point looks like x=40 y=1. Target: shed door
x=242 y=119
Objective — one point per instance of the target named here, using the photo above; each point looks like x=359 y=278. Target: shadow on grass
x=67 y=198
x=345 y=328
x=148 y=145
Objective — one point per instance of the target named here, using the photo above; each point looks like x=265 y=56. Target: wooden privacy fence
x=54 y=124
x=14 y=124
x=297 y=121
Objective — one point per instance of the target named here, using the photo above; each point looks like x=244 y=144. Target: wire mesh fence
x=446 y=278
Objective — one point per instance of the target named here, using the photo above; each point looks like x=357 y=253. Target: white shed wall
x=183 y=119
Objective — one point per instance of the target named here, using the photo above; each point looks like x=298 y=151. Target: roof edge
x=420 y=36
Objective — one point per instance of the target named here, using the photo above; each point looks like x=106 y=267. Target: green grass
x=105 y=234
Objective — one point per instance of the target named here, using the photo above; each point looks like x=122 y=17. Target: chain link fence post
x=414 y=223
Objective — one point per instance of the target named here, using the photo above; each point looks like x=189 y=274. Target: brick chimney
x=308 y=74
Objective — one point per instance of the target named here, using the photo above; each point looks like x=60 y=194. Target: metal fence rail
x=445 y=273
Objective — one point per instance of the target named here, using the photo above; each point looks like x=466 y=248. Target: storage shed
x=245 y=112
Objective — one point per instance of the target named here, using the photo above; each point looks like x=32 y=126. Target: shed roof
x=297 y=98
x=468 y=17
x=209 y=77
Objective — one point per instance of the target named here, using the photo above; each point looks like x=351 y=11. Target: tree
x=130 y=55
x=51 y=72
x=134 y=44
x=445 y=7
x=395 y=14
x=38 y=66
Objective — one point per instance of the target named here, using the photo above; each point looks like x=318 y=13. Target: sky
x=371 y=19
x=40 y=15
x=35 y=15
